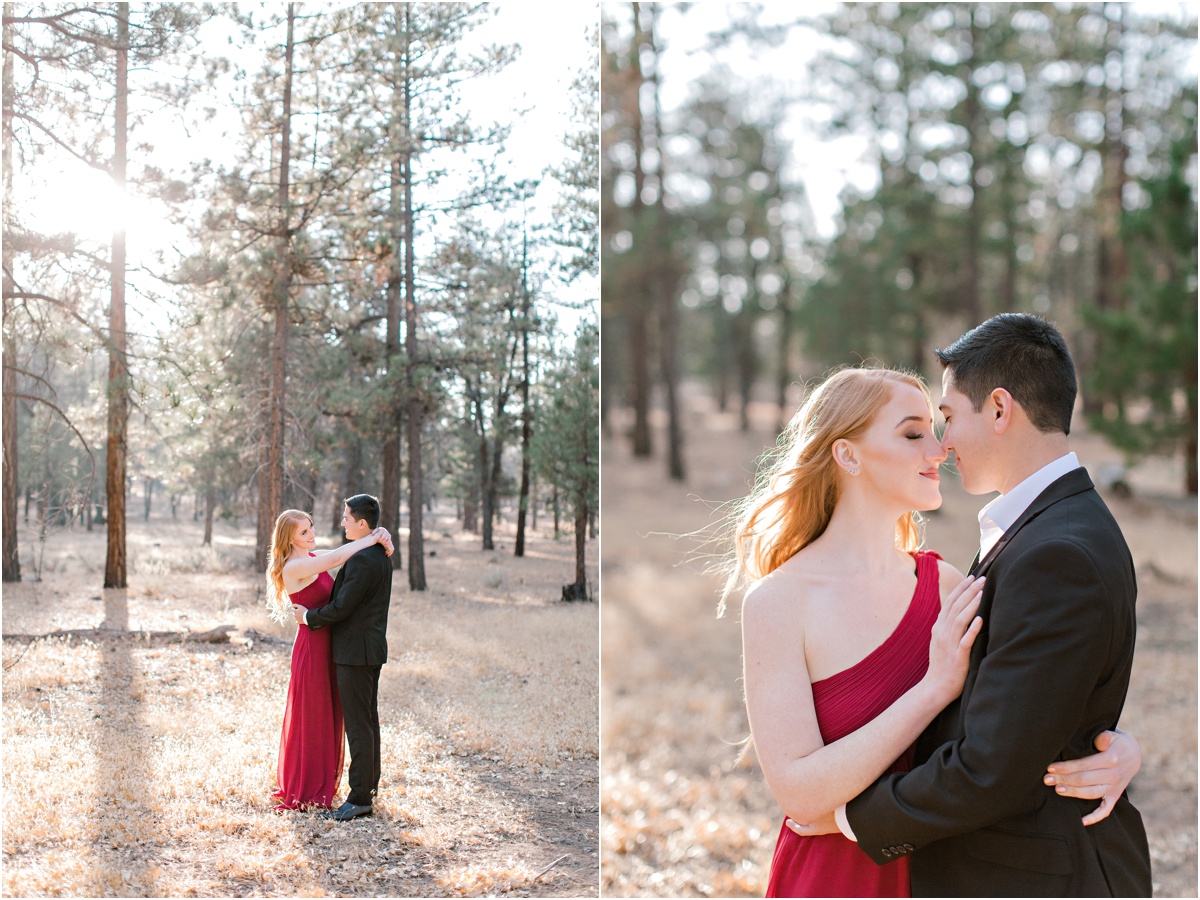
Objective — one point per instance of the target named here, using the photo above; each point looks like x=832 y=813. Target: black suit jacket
x=1049 y=671
x=358 y=607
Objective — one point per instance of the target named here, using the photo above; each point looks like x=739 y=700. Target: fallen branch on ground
x=252 y=634
x=218 y=635
x=549 y=867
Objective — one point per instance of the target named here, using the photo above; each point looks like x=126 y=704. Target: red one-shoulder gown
x=829 y=865
x=311 y=746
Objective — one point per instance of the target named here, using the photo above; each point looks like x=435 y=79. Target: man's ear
x=1001 y=408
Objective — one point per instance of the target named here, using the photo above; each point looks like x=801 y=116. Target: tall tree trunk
x=917 y=336
x=270 y=480
x=526 y=410
x=491 y=501
x=1111 y=261
x=401 y=145
x=1193 y=424
x=783 y=374
x=352 y=481
x=725 y=355
x=210 y=502
x=1010 y=176
x=115 y=575
x=581 y=519
x=486 y=495
x=1189 y=453
x=557 y=513
x=971 y=294
x=389 y=498
x=147 y=496
x=609 y=386
x=8 y=412
x=470 y=512
x=11 y=556
x=666 y=282
x=1111 y=265
x=581 y=522
x=416 y=400
x=637 y=299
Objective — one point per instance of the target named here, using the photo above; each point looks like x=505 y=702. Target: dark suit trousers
x=359 y=690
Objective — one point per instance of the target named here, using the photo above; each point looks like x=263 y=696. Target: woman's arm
x=1103 y=776
x=806 y=777
x=381 y=534
x=296 y=570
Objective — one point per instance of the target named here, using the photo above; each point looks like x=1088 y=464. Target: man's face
x=971 y=437
x=354 y=528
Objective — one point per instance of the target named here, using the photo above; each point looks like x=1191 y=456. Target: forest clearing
x=681 y=816
x=143 y=766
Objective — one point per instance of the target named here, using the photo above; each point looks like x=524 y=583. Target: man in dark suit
x=357 y=612
x=1050 y=669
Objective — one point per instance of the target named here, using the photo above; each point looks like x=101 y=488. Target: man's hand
x=298 y=611
x=382 y=536
x=1104 y=776
x=824 y=825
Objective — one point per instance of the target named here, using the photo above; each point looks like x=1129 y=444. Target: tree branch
x=37 y=378
x=82 y=440
x=50 y=134
x=61 y=304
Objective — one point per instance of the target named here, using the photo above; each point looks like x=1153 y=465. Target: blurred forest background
x=991 y=157
x=786 y=191
x=314 y=273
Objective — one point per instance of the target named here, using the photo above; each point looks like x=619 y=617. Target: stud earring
x=852 y=471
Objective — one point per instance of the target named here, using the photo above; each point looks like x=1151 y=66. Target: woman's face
x=899 y=454
x=304 y=538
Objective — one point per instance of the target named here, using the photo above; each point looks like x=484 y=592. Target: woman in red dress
x=311 y=745
x=853 y=639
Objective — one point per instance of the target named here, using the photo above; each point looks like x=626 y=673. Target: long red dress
x=830 y=865
x=311 y=746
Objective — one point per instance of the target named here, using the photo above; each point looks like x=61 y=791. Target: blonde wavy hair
x=279 y=606
x=798 y=485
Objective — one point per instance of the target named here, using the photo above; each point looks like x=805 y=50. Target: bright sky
x=532 y=93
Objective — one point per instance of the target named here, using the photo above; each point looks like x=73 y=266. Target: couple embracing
x=922 y=731
x=341 y=645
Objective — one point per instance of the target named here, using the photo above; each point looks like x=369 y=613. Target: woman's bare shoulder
x=292 y=561
x=781 y=595
x=948 y=577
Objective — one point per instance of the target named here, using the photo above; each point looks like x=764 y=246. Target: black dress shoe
x=348 y=811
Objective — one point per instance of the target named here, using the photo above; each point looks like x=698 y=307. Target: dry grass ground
x=680 y=816
x=144 y=768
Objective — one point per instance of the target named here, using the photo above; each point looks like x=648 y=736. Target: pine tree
x=566 y=443
x=1145 y=375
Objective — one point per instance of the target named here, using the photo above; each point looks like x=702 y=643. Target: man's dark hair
x=364 y=507
x=1027 y=357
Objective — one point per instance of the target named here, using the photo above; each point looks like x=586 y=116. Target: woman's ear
x=845 y=456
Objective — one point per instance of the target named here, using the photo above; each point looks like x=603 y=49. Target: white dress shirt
x=1000 y=515
x=994 y=519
